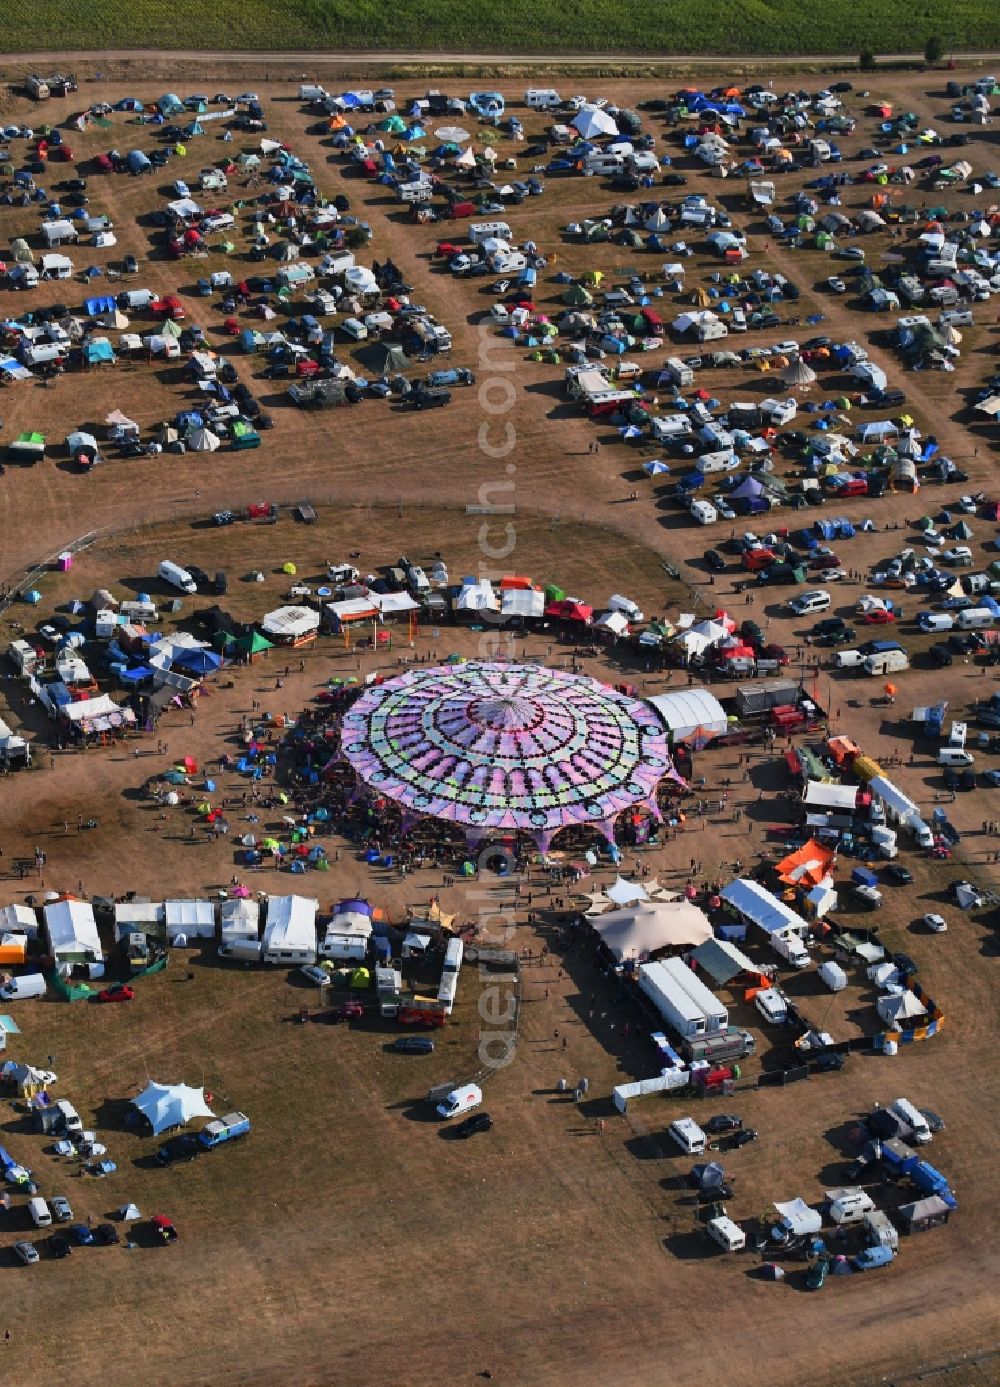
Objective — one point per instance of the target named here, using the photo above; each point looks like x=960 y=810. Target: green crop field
x=593 y=26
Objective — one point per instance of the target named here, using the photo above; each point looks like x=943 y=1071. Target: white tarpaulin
x=820 y=794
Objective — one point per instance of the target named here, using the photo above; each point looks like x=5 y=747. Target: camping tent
x=171 y=1105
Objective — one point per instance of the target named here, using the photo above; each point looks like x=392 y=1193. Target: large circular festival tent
x=497 y=749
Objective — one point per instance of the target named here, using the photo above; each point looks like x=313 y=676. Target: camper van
x=177 y=577
x=914 y=1119
x=772 y=1006
x=886 y=662
x=542 y=98
x=460 y=1100
x=486 y=231
x=850 y=1206
x=729 y=1235
x=704 y=513
x=975 y=618
x=688 y=1136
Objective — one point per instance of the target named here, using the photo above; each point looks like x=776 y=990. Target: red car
x=169 y=306
x=119 y=992
x=878 y=618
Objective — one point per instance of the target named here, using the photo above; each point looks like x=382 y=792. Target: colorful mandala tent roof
x=506 y=747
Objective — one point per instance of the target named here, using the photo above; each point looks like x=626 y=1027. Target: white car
x=836 y=284
x=832 y=575
x=936 y=923
x=966 y=504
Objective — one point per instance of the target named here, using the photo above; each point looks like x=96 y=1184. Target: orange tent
x=807 y=866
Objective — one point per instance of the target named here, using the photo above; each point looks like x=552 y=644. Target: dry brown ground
x=336 y=1244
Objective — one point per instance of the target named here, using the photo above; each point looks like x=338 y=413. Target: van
x=847 y=659
x=975 y=618
x=914 y=1119
x=41 y=1214
x=955 y=756
x=70 y=1117
x=485 y=231
x=772 y=1006
x=955 y=317
x=135 y=298
x=809 y=602
x=177 y=577
x=460 y=1100
x=729 y=1235
x=688 y=1135
x=27 y=985
x=887 y=662
x=935 y=621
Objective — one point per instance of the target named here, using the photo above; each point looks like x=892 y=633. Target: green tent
x=254 y=644
x=392 y=125
x=72 y=994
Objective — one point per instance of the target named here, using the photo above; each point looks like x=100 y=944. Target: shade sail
x=509 y=747
x=171 y=1105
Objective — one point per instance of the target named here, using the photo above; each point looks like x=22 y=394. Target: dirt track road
x=313 y=58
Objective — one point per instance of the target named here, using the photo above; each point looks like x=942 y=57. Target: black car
x=967 y=779
x=220 y=584
x=414 y=1045
x=828 y=625
x=744 y=1137
x=962 y=642
x=935 y=1123
x=183 y=1148
x=724 y=1122
x=714 y=560
x=901 y=876
x=60 y=1245
x=478 y=1122
x=826 y=1064
x=106 y=1234
x=200 y=577
x=674 y=180
x=950 y=779
x=130 y=265
x=842 y=636
x=752 y=633
x=941 y=655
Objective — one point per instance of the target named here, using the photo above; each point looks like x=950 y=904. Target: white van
x=460 y=1100
x=688 y=1135
x=729 y=1235
x=975 y=618
x=914 y=1119
x=955 y=756
x=806 y=603
x=935 y=621
x=847 y=659
x=772 y=1006
x=485 y=231
x=70 y=1117
x=135 y=298
x=41 y=1214
x=704 y=513
x=27 y=985
x=177 y=577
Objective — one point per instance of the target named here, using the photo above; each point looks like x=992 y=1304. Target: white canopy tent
x=685 y=711
x=171 y=1105
x=754 y=902
x=290 y=623
x=639 y=930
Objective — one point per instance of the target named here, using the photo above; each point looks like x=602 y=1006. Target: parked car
x=941 y=655
x=81 y=1234
x=27 y=1252
x=60 y=1206
x=478 y=1122
x=724 y=1122
x=60 y=1245
x=828 y=1063
x=900 y=876
x=937 y=924
x=315 y=974
x=413 y=1044
x=714 y=560
x=117 y=992
x=744 y=1137
x=106 y=1234
x=816 y=1275
x=184 y=1147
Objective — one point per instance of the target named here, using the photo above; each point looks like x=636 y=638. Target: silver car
x=60 y=1206
x=27 y=1252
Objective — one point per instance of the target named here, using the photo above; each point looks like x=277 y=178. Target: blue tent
x=199 y=661
x=137 y=162
x=103 y=303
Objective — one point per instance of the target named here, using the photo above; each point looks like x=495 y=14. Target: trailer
x=677 y=1006
x=754 y=699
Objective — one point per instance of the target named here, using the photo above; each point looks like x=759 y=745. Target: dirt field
x=347 y=1240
